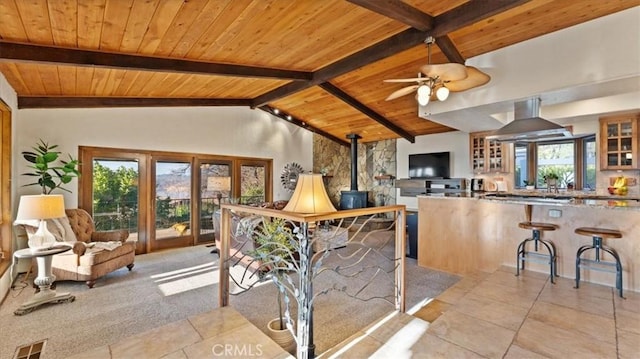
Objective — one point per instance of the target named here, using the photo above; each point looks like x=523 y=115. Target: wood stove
x=353 y=198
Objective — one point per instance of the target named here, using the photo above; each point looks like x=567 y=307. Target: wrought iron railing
x=291 y=251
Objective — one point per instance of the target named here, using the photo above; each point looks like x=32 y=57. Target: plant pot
x=283 y=337
x=530 y=188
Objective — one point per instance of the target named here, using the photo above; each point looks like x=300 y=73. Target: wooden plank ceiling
x=320 y=61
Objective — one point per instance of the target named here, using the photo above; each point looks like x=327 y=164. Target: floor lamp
x=309 y=197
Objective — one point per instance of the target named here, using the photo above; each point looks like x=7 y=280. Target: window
x=521 y=164
x=573 y=160
x=166 y=199
x=558 y=158
x=589 y=168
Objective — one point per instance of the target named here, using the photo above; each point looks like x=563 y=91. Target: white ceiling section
x=581 y=72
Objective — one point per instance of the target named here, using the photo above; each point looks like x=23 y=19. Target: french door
x=215 y=188
x=166 y=199
x=112 y=188
x=171 y=202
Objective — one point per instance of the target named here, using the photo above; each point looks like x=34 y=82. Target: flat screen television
x=429 y=165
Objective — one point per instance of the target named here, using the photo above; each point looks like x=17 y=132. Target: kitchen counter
x=466 y=233
x=565 y=198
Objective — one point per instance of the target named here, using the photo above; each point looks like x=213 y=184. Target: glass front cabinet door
x=619 y=142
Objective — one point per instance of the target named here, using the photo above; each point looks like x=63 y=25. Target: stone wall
x=373 y=158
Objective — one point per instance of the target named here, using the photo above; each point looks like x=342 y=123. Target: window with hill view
x=178 y=185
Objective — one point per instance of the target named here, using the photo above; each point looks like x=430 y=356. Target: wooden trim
x=444 y=24
x=95 y=102
x=6 y=237
x=92 y=58
x=348 y=99
x=449 y=49
x=305 y=125
x=398 y=11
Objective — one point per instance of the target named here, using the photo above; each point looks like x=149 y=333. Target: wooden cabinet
x=487 y=156
x=619 y=142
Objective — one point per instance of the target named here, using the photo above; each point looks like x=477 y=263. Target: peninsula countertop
x=541 y=197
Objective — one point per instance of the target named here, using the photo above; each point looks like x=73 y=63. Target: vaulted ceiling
x=321 y=62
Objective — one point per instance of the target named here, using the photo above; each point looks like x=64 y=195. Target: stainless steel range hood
x=528 y=126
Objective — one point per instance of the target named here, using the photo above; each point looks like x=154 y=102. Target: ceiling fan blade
x=476 y=78
x=416 y=79
x=446 y=72
x=402 y=92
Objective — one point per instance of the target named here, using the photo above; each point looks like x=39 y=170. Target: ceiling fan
x=435 y=81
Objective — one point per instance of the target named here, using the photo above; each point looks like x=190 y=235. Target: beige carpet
x=171 y=285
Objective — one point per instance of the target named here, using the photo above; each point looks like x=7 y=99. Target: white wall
x=457 y=143
x=212 y=130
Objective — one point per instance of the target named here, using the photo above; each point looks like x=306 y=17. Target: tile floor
x=220 y=333
x=499 y=315
x=484 y=315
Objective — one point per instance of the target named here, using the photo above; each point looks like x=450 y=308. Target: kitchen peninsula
x=470 y=231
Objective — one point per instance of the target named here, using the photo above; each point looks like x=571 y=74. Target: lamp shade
x=219 y=183
x=41 y=206
x=310 y=196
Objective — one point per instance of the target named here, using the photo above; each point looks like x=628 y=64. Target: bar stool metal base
x=524 y=255
x=597 y=236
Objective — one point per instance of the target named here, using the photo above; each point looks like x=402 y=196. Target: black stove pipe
x=354 y=160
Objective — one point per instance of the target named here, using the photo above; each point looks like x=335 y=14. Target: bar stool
x=537 y=228
x=598 y=234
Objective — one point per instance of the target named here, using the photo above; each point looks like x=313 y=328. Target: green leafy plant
x=528 y=183
x=51 y=171
x=275 y=249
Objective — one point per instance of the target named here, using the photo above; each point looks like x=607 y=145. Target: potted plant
x=276 y=251
x=51 y=171
x=551 y=179
x=529 y=185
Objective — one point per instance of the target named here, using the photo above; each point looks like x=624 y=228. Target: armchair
x=94 y=254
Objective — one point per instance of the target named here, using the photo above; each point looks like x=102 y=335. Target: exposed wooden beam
x=305 y=125
x=397 y=10
x=449 y=50
x=459 y=17
x=77 y=57
x=337 y=92
x=390 y=46
x=94 y=102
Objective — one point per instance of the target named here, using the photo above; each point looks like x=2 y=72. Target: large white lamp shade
x=41 y=207
x=310 y=196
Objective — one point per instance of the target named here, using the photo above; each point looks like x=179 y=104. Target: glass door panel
x=115 y=195
x=215 y=188
x=172 y=216
x=253 y=181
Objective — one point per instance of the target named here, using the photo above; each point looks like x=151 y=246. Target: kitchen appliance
x=501 y=186
x=528 y=126
x=477 y=184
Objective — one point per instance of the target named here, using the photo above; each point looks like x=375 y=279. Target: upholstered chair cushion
x=85 y=230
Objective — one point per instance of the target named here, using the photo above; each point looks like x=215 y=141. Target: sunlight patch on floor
x=419 y=306
x=399 y=345
x=188 y=280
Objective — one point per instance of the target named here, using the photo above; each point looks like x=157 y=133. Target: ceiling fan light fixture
x=424 y=91
x=423 y=100
x=442 y=93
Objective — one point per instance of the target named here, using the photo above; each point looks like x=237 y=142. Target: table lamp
x=41 y=207
x=310 y=196
x=219 y=184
